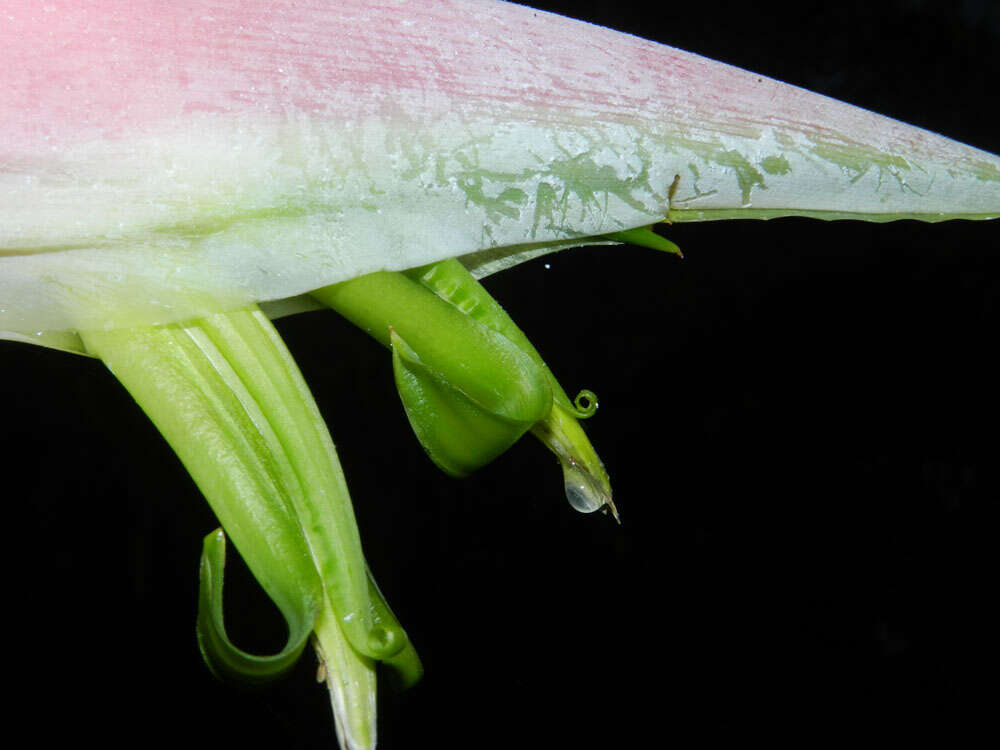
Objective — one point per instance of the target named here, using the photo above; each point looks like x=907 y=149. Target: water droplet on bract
x=580 y=490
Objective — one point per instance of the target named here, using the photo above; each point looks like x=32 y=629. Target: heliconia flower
x=166 y=168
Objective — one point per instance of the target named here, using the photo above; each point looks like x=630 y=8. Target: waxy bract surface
x=159 y=161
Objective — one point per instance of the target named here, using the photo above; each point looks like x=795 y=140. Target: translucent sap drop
x=580 y=490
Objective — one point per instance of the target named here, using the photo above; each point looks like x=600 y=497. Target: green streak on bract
x=575 y=179
x=776 y=165
x=590 y=182
x=858 y=160
x=985 y=171
x=505 y=205
x=747 y=176
x=546 y=203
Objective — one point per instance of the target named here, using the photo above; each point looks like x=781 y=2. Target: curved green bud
x=468 y=391
x=586 y=482
x=466 y=373
x=458 y=434
x=453 y=284
x=227 y=661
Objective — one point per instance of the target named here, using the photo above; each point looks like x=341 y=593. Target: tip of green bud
x=587 y=485
x=646 y=237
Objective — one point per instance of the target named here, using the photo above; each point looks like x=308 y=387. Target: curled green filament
x=586 y=404
x=226 y=660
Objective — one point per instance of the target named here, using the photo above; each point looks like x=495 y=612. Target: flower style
x=217 y=164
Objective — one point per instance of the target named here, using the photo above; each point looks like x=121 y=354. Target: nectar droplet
x=581 y=492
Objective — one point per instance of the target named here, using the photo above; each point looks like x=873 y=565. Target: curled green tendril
x=586 y=404
x=227 y=661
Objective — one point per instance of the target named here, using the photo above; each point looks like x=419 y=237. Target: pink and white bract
x=159 y=161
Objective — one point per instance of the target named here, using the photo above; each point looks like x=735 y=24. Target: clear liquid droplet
x=580 y=490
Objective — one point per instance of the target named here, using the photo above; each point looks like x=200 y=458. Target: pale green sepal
x=282 y=308
x=225 y=660
x=458 y=434
x=491 y=260
x=63 y=341
x=350 y=678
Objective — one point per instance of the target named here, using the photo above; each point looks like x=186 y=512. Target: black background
x=799 y=420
